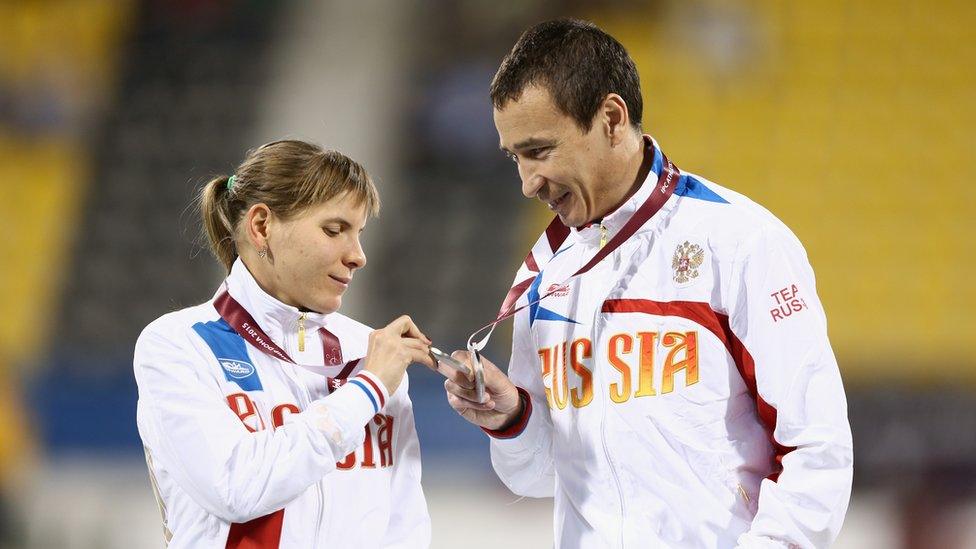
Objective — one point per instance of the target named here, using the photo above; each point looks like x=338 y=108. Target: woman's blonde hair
x=288 y=176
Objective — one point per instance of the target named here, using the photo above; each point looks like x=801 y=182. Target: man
x=680 y=389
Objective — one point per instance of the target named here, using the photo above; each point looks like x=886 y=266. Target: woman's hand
x=393 y=348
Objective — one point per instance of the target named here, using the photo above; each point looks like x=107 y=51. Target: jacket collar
x=591 y=234
x=276 y=318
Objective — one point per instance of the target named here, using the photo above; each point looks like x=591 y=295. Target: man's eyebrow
x=529 y=143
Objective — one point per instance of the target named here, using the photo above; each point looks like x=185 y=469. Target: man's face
x=558 y=163
x=317 y=252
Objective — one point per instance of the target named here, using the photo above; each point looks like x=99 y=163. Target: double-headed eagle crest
x=687 y=258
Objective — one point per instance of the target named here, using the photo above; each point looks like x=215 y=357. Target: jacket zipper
x=308 y=402
x=603 y=235
x=318 y=484
x=743 y=493
x=318 y=519
x=613 y=472
x=603 y=426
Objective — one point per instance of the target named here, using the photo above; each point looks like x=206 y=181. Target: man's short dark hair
x=577 y=63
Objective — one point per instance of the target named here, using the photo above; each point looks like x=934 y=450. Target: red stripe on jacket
x=718 y=324
x=260 y=533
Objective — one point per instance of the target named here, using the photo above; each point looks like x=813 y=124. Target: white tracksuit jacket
x=246 y=450
x=683 y=391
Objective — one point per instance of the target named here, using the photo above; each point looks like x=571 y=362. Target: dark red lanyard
x=244 y=324
x=652 y=204
x=663 y=190
x=340 y=380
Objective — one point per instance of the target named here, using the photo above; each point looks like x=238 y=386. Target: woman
x=269 y=419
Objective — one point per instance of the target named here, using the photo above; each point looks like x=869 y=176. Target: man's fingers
x=458 y=378
x=465 y=358
x=443 y=369
x=494 y=378
x=450 y=371
x=446 y=369
x=462 y=404
x=463 y=392
x=459 y=404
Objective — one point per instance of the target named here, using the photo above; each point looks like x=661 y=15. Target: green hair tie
x=230 y=183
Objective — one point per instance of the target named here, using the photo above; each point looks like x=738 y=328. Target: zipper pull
x=301 y=333
x=603 y=235
x=743 y=493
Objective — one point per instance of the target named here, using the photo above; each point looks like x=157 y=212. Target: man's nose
x=532 y=182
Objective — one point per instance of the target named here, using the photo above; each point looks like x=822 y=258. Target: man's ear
x=615 y=118
x=257 y=225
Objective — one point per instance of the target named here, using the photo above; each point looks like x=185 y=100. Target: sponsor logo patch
x=237 y=369
x=558 y=290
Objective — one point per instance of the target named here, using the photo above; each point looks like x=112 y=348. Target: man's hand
x=502 y=403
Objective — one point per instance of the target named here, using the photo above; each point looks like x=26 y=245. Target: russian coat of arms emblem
x=687 y=259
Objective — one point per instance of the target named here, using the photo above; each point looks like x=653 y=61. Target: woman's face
x=316 y=253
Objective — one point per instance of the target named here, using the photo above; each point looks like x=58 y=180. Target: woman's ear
x=257 y=226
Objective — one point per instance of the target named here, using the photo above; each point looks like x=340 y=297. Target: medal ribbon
x=244 y=324
x=663 y=190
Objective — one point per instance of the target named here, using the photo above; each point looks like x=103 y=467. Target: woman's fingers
x=406 y=327
x=421 y=355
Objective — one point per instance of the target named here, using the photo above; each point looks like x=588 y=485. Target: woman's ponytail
x=215 y=211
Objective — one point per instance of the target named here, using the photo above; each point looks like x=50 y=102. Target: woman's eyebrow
x=341 y=221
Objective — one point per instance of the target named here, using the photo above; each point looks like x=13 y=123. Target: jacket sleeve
x=800 y=397
x=522 y=455
x=237 y=475
x=409 y=524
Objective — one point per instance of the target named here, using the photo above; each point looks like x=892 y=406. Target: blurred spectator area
x=113 y=113
x=853 y=123
x=57 y=66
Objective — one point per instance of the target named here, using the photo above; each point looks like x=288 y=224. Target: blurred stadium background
x=853 y=121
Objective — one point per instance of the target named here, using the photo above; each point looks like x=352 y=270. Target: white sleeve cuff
x=373 y=388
